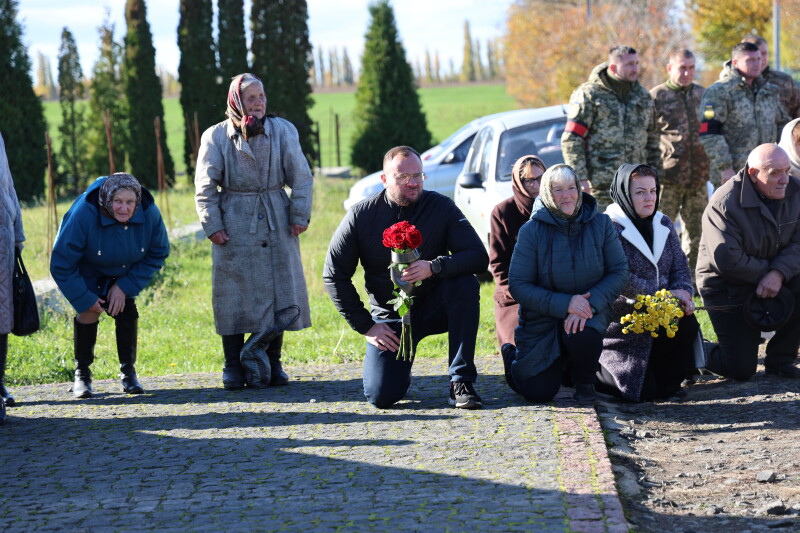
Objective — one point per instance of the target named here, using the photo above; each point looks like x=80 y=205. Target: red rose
x=402 y=236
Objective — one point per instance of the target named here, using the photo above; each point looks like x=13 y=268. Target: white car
x=485 y=179
x=441 y=164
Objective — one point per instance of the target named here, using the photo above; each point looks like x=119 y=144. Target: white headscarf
x=787 y=143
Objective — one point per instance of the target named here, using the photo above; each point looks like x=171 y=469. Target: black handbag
x=26 y=314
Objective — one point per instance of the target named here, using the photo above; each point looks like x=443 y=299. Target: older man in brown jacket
x=751 y=243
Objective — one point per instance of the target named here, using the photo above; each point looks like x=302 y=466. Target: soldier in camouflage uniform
x=610 y=122
x=683 y=186
x=789 y=90
x=739 y=112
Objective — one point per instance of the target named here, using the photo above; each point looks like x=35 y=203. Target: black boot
x=232 y=372
x=85 y=336
x=8 y=400
x=127 y=342
x=279 y=377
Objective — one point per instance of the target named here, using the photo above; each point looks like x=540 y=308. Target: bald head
x=769 y=170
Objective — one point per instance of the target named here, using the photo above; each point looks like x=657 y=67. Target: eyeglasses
x=526 y=181
x=405 y=179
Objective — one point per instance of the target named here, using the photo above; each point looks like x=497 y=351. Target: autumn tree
x=536 y=50
x=44 y=88
x=718 y=25
x=231 y=41
x=468 y=64
x=348 y=77
x=21 y=118
x=72 y=128
x=281 y=52
x=107 y=96
x=387 y=112
x=143 y=92
x=321 y=71
x=201 y=99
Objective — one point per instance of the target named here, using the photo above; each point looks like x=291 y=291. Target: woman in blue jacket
x=567 y=269
x=111 y=243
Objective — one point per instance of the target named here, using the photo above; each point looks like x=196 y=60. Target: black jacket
x=446 y=233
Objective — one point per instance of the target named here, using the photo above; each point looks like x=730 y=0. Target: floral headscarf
x=112 y=185
x=249 y=125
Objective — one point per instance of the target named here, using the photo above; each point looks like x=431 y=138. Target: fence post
x=338 y=151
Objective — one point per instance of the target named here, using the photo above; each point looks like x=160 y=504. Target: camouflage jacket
x=604 y=131
x=735 y=118
x=682 y=155
x=789 y=93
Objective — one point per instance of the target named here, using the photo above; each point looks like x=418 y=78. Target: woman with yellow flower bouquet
x=649 y=346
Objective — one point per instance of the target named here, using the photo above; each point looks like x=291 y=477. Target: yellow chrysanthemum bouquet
x=652 y=312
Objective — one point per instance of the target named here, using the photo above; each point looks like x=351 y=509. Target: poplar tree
x=468 y=64
x=72 y=128
x=281 y=58
x=348 y=76
x=231 y=42
x=197 y=73
x=143 y=91
x=321 y=68
x=22 y=121
x=106 y=94
x=387 y=112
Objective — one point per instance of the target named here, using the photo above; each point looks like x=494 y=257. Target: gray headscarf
x=113 y=184
x=551 y=175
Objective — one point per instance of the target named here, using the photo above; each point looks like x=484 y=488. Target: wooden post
x=52 y=209
x=163 y=189
x=338 y=151
x=107 y=120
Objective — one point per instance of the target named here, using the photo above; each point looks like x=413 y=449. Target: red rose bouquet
x=403 y=239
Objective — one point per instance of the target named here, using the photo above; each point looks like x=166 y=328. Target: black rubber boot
x=127 y=343
x=232 y=372
x=8 y=400
x=279 y=377
x=85 y=337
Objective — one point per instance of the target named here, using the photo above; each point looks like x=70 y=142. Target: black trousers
x=580 y=353
x=737 y=357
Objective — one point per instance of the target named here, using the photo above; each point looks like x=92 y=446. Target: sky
x=435 y=25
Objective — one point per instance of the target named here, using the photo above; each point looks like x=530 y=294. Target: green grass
x=176 y=333
x=447 y=108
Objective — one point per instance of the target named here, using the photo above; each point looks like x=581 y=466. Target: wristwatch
x=436 y=266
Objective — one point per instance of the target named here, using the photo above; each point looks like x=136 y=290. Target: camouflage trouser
x=689 y=203
x=603 y=197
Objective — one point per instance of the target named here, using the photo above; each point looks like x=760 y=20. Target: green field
x=447 y=108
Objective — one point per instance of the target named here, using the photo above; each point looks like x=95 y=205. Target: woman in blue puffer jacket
x=567 y=269
x=111 y=243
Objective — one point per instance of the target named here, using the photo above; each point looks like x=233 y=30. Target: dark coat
x=554 y=260
x=91 y=245
x=446 y=234
x=665 y=267
x=742 y=240
x=506 y=221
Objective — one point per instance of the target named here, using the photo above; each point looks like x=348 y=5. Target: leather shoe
x=584 y=394
x=785 y=371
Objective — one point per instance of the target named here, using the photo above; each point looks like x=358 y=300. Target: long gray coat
x=259 y=270
x=10 y=233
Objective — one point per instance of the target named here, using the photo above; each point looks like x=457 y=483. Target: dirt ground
x=725 y=458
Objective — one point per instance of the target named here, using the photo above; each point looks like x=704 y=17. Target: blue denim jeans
x=452 y=307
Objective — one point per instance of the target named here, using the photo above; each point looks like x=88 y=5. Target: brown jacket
x=742 y=240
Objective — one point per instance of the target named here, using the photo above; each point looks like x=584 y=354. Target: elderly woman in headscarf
x=111 y=243
x=567 y=269
x=507 y=218
x=790 y=142
x=244 y=165
x=639 y=367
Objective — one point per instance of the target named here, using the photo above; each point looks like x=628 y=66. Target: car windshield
x=542 y=139
x=447 y=143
